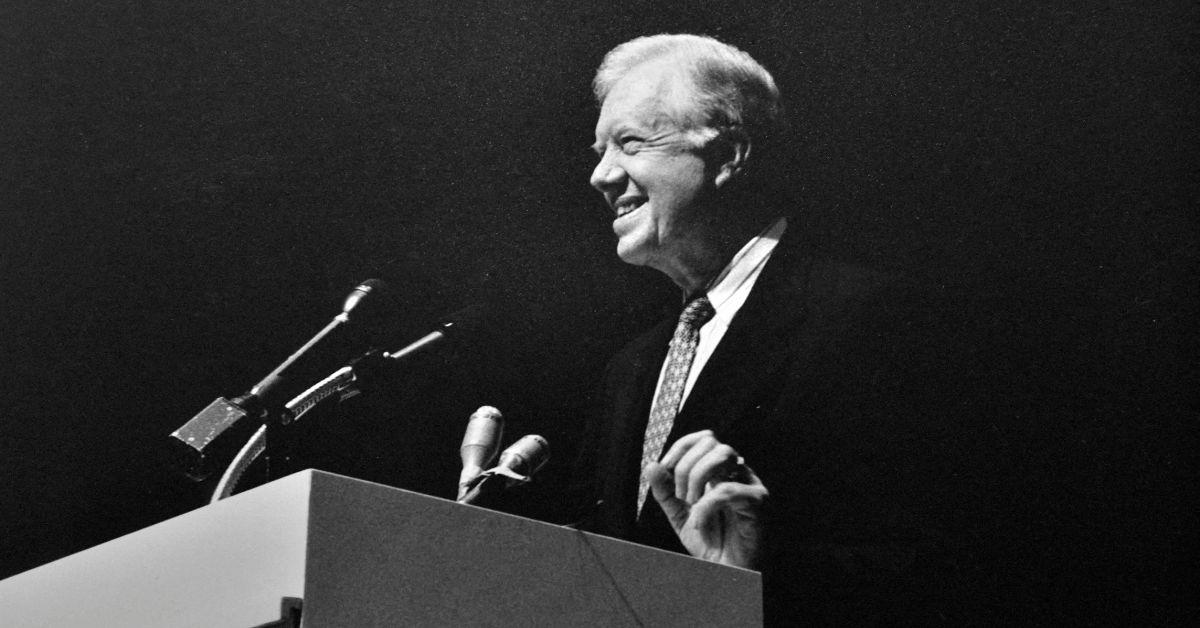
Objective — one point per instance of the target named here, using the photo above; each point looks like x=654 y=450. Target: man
x=781 y=423
x=664 y=164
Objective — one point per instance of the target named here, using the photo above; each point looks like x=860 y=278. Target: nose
x=607 y=173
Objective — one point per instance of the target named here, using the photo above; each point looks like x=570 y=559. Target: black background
x=188 y=191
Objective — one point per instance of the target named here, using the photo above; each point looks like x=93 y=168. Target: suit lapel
x=631 y=389
x=753 y=349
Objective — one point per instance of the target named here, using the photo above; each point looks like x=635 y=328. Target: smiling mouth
x=625 y=207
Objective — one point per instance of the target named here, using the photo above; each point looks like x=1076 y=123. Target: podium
x=360 y=554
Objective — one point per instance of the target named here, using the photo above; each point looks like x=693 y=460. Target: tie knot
x=697 y=312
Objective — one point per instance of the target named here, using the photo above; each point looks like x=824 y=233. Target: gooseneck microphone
x=219 y=428
x=376 y=368
x=368 y=371
x=466 y=318
x=517 y=465
x=353 y=300
x=480 y=443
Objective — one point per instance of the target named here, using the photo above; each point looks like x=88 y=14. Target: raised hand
x=712 y=499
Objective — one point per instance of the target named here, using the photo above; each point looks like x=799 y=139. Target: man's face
x=650 y=173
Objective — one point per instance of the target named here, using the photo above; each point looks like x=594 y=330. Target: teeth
x=627 y=207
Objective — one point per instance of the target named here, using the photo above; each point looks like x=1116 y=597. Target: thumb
x=662 y=485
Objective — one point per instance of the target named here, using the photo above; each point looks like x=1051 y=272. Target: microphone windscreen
x=361 y=292
x=526 y=456
x=481 y=441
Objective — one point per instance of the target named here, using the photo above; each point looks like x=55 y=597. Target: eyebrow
x=615 y=130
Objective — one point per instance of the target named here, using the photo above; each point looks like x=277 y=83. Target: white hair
x=731 y=92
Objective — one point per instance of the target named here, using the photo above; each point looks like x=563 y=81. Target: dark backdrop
x=188 y=190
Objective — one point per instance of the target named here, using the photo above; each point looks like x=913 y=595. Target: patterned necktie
x=666 y=405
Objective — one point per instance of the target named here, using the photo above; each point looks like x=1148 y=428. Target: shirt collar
x=728 y=290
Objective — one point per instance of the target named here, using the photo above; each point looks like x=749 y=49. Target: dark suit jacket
x=837 y=387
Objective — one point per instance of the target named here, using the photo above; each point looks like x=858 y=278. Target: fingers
x=716 y=466
x=730 y=516
x=683 y=456
x=725 y=525
x=681 y=447
x=699 y=459
x=744 y=499
x=717 y=515
x=662 y=486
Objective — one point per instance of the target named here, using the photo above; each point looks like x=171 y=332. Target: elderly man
x=674 y=132
x=780 y=422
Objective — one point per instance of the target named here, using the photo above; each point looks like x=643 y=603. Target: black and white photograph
x=332 y=313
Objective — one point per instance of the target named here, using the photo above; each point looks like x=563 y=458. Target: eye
x=630 y=143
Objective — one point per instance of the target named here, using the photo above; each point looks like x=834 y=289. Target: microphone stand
x=210 y=435
x=256 y=445
x=273 y=437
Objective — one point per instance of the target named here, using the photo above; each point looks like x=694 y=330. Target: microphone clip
x=512 y=478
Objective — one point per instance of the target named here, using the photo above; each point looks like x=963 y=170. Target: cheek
x=672 y=183
x=682 y=193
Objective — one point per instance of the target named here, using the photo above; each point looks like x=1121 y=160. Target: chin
x=634 y=256
x=635 y=245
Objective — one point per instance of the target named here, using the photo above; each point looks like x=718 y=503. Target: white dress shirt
x=727 y=292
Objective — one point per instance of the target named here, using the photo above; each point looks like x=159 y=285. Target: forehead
x=647 y=96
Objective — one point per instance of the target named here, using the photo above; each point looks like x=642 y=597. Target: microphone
x=361 y=292
x=219 y=428
x=353 y=301
x=464 y=319
x=517 y=465
x=374 y=367
x=479 y=445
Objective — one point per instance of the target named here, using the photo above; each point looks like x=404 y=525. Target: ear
x=735 y=154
